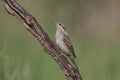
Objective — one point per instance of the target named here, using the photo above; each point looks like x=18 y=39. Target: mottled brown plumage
x=64 y=43
x=68 y=43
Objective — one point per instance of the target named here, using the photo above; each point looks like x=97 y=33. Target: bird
x=64 y=43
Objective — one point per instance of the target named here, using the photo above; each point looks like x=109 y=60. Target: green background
x=94 y=29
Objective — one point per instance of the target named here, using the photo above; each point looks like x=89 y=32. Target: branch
x=48 y=45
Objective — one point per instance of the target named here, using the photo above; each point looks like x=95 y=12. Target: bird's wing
x=69 y=44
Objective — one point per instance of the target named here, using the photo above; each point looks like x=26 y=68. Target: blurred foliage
x=94 y=28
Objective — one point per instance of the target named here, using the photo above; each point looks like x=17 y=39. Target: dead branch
x=48 y=45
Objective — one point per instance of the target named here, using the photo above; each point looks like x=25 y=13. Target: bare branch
x=48 y=45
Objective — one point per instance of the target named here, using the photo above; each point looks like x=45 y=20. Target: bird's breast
x=61 y=44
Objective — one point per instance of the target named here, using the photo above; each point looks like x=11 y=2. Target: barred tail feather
x=74 y=62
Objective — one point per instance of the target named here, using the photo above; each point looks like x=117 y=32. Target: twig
x=48 y=45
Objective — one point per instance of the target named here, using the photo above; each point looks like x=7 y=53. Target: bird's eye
x=60 y=24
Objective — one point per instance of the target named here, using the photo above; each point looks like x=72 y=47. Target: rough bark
x=48 y=45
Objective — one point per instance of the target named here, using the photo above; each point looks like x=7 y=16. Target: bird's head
x=60 y=26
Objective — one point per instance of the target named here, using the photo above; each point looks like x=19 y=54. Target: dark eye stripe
x=59 y=23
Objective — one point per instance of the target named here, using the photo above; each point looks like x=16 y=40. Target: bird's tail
x=74 y=62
